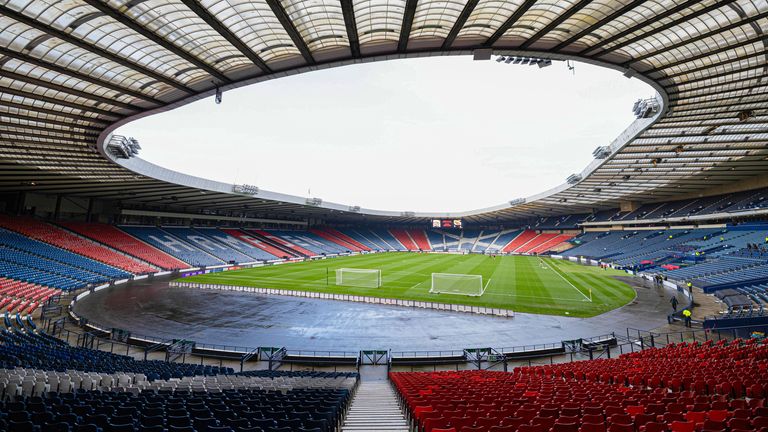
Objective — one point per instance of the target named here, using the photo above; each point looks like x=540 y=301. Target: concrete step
x=375 y=407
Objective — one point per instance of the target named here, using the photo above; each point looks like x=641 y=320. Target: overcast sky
x=431 y=134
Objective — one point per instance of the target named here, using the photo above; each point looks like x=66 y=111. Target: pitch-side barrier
x=481 y=310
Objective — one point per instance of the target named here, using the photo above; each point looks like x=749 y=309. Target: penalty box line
x=557 y=272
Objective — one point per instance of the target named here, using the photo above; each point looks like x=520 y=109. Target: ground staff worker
x=687 y=317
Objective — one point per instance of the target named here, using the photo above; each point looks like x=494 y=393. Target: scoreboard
x=446 y=223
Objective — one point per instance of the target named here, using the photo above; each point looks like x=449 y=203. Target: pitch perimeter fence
x=448 y=307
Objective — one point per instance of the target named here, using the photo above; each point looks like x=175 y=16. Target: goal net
x=363 y=278
x=462 y=284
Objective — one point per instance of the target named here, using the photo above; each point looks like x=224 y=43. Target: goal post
x=362 y=278
x=461 y=284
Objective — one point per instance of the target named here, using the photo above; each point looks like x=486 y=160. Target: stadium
x=630 y=298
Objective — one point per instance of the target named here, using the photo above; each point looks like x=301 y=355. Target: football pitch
x=521 y=283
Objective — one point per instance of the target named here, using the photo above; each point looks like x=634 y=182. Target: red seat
x=592 y=427
x=503 y=429
x=760 y=422
x=621 y=418
x=718 y=415
x=695 y=417
x=655 y=427
x=712 y=425
x=593 y=418
x=565 y=427
x=512 y=421
x=739 y=423
x=618 y=427
x=634 y=410
x=643 y=419
x=435 y=423
x=681 y=426
x=443 y=430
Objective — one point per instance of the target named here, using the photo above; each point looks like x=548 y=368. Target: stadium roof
x=74 y=70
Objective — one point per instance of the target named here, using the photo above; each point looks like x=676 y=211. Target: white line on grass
x=557 y=271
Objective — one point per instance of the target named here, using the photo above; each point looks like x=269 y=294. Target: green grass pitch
x=521 y=283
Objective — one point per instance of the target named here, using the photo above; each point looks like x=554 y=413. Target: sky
x=437 y=134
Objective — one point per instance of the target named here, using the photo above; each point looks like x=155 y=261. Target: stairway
x=375 y=408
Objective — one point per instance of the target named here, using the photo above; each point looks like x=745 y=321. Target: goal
x=462 y=284
x=363 y=278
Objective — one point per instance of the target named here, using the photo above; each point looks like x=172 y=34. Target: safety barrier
x=481 y=310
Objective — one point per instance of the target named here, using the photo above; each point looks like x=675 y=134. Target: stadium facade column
x=57 y=208
x=628 y=206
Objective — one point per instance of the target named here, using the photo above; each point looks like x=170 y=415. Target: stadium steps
x=277 y=242
x=420 y=238
x=375 y=407
x=335 y=239
x=341 y=236
x=263 y=245
x=105 y=245
x=404 y=238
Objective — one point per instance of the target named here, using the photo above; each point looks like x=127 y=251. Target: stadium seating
x=23 y=297
x=212 y=404
x=366 y=238
x=271 y=251
x=549 y=242
x=119 y=240
x=468 y=239
x=40 y=351
x=350 y=244
x=235 y=247
x=308 y=241
x=520 y=241
x=173 y=245
x=348 y=239
x=297 y=250
x=40 y=263
x=680 y=388
x=387 y=238
x=208 y=245
x=65 y=240
x=404 y=238
x=420 y=239
x=437 y=240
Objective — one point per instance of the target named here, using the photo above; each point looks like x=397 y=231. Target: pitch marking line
x=557 y=271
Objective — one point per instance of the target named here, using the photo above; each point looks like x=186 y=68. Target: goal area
x=461 y=284
x=362 y=278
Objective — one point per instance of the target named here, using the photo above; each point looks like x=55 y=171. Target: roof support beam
x=47 y=121
x=685 y=42
x=348 y=9
x=76 y=117
x=630 y=30
x=154 y=37
x=80 y=143
x=71 y=91
x=556 y=22
x=664 y=27
x=615 y=14
x=459 y=24
x=405 y=28
x=221 y=29
x=58 y=34
x=84 y=135
x=509 y=22
x=287 y=24
x=56 y=68
x=714 y=65
x=54 y=101
x=759 y=39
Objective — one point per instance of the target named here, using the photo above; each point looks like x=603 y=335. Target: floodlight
x=509 y=60
x=500 y=59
